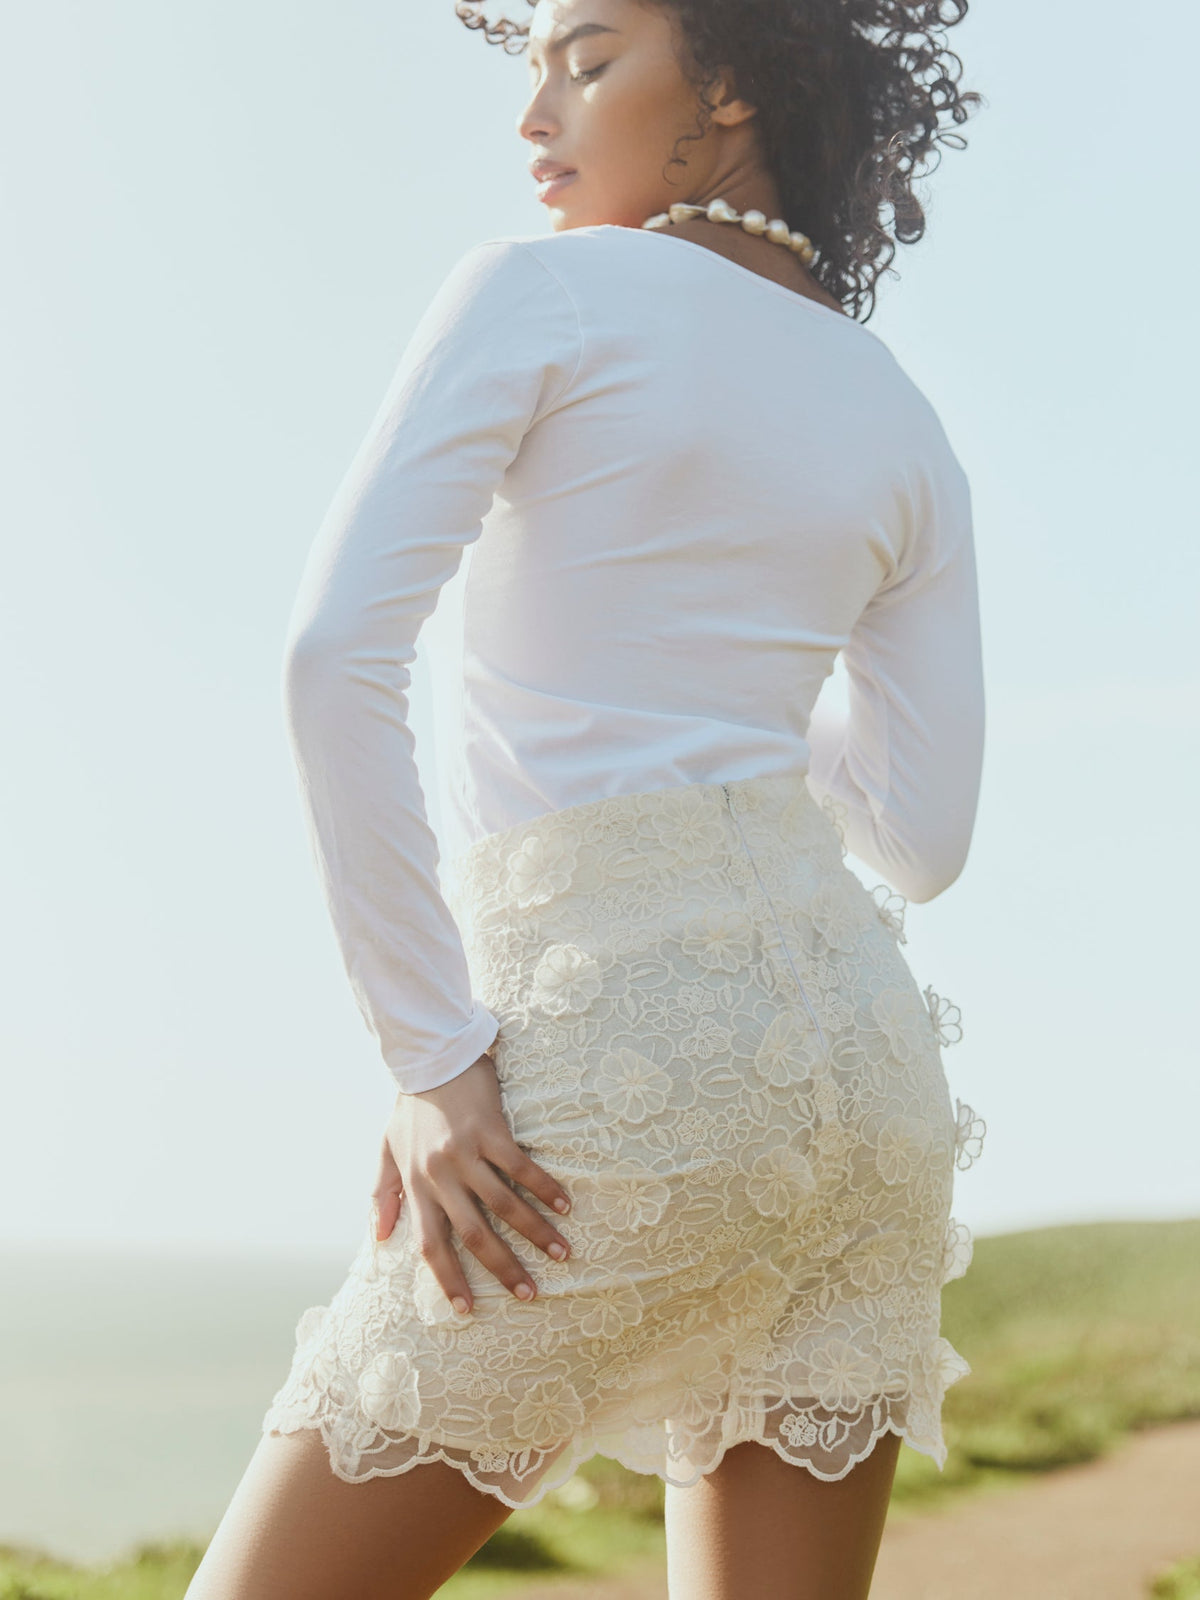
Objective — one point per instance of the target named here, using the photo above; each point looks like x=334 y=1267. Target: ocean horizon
x=133 y=1383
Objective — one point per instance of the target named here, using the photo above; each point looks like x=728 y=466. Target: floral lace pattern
x=710 y=1036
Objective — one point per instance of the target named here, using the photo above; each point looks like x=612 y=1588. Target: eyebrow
x=579 y=32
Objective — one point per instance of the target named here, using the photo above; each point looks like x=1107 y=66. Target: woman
x=646 y=985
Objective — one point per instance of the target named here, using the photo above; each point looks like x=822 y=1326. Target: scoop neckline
x=806 y=301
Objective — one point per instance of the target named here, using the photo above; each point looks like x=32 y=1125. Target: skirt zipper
x=782 y=940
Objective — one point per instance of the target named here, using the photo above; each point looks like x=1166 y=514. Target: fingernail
x=525 y=1290
x=460 y=1305
x=556 y=1250
x=562 y=1205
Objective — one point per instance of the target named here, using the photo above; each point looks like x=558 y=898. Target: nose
x=537 y=122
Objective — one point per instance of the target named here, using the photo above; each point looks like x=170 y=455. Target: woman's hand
x=441 y=1151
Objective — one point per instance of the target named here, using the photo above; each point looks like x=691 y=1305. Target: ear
x=729 y=109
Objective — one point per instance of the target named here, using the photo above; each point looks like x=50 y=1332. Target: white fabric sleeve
x=905 y=760
x=492 y=354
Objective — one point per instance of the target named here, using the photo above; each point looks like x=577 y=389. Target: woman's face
x=608 y=99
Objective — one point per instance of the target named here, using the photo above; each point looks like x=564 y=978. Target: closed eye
x=586 y=77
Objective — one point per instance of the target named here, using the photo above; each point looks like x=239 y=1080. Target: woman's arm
x=493 y=353
x=905 y=762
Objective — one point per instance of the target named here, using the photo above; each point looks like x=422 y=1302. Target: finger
x=434 y=1246
x=385 y=1210
x=388 y=1193
x=519 y=1214
x=389 y=1171
x=510 y=1158
x=484 y=1243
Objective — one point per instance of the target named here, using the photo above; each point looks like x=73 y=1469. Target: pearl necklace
x=752 y=221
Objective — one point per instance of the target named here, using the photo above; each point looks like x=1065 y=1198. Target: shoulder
x=570 y=258
x=516 y=253
x=501 y=293
x=500 y=317
x=513 y=272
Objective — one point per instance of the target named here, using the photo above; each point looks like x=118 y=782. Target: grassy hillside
x=1180 y=1582
x=1075 y=1335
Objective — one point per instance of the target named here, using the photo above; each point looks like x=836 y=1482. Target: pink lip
x=551 y=186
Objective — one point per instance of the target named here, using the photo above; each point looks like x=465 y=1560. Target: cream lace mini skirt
x=710 y=1037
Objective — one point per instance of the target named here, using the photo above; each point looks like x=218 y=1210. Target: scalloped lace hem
x=545 y=1471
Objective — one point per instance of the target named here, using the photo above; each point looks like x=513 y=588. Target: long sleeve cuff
x=460 y=1052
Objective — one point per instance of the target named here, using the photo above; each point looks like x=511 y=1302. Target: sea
x=133 y=1386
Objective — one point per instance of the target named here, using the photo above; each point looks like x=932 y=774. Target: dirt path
x=1093 y=1532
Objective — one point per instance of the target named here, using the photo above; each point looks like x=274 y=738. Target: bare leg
x=757 y=1525
x=296 y=1531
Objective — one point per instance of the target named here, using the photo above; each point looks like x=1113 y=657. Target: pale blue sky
x=221 y=225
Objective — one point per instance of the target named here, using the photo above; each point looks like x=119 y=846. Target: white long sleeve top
x=685 y=489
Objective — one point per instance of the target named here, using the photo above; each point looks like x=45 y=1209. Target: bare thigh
x=296 y=1531
x=757 y=1525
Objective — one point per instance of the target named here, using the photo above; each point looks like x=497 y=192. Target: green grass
x=1180 y=1582
x=1076 y=1336
x=152 y=1571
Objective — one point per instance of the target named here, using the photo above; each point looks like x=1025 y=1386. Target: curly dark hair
x=850 y=97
